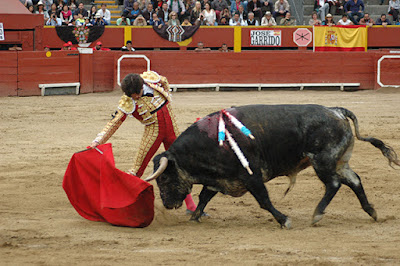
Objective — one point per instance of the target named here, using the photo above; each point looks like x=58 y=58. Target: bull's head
x=173 y=188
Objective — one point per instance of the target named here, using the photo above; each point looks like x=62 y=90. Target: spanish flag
x=340 y=38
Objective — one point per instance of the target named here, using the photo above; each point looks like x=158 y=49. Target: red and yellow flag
x=340 y=38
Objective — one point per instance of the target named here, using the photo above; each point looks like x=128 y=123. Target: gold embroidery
x=110 y=128
x=126 y=105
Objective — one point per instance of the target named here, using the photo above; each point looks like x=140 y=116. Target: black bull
x=288 y=139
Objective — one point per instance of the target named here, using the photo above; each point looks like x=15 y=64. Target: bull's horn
x=160 y=170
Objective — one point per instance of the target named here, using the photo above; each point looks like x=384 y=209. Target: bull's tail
x=386 y=150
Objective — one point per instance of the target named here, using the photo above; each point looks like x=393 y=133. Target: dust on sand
x=39 y=226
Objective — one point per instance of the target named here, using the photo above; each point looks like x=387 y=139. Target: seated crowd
x=352 y=12
x=208 y=13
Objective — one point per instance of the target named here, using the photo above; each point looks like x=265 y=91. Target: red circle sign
x=302 y=37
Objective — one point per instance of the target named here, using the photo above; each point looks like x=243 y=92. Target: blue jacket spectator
x=54 y=21
x=383 y=21
x=354 y=6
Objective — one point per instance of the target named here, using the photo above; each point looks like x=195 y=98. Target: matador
x=147 y=98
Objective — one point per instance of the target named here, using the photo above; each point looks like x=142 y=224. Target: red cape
x=100 y=192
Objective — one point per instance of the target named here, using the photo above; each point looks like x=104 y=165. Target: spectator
x=147 y=13
x=65 y=47
x=288 y=20
x=226 y=13
x=397 y=22
x=140 y=21
x=80 y=21
x=143 y=4
x=328 y=20
x=177 y=6
x=135 y=12
x=73 y=6
x=98 y=21
x=128 y=6
x=173 y=19
x=47 y=4
x=224 y=21
x=156 y=21
x=88 y=21
x=354 y=8
x=53 y=9
x=60 y=5
x=158 y=5
x=15 y=47
x=99 y=47
x=46 y=48
x=80 y=10
x=105 y=13
x=209 y=15
x=128 y=47
x=366 y=20
x=31 y=9
x=281 y=8
x=338 y=4
x=219 y=6
x=54 y=20
x=164 y=12
x=123 y=21
x=224 y=48
x=394 y=7
x=322 y=7
x=236 y=20
x=26 y=3
x=314 y=21
x=345 y=21
x=92 y=13
x=235 y=6
x=268 y=20
x=383 y=21
x=254 y=6
x=200 y=47
x=186 y=22
x=242 y=13
x=70 y=47
x=195 y=12
x=267 y=6
x=40 y=10
x=66 y=15
x=251 y=21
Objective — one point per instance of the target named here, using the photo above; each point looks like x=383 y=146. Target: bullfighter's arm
x=110 y=128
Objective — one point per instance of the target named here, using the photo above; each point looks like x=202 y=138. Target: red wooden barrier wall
x=22 y=72
x=35 y=68
x=8 y=73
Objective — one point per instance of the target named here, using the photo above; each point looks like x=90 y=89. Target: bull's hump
x=209 y=123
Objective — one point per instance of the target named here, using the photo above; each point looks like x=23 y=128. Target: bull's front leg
x=205 y=196
x=257 y=188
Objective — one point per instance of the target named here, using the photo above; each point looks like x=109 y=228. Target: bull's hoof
x=288 y=223
x=317 y=218
x=371 y=211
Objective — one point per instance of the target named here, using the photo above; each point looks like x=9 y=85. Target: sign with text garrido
x=1 y=32
x=265 y=38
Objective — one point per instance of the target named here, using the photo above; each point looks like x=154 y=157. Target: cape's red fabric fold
x=100 y=192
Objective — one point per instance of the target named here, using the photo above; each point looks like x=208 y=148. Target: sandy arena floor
x=39 y=226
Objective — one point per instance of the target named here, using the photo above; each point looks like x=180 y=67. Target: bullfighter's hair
x=132 y=84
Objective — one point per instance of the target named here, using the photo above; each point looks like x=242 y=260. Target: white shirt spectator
x=106 y=15
x=344 y=23
x=265 y=21
x=234 y=22
x=210 y=17
x=394 y=4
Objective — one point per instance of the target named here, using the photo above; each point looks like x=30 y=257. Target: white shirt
x=210 y=17
x=106 y=15
x=341 y=22
x=233 y=22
